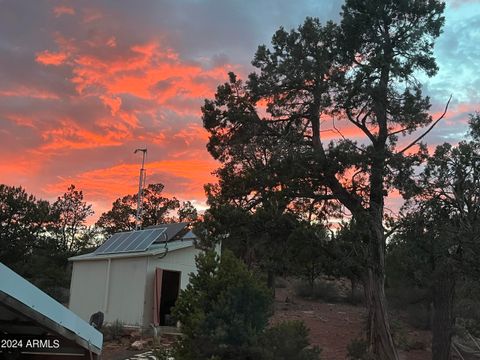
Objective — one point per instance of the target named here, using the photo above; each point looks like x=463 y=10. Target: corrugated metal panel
x=21 y=290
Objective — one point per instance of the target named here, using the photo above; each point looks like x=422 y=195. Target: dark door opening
x=169 y=295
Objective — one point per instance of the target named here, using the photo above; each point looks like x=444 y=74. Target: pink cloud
x=63 y=10
x=51 y=58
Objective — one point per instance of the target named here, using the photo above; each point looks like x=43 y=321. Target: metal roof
x=20 y=299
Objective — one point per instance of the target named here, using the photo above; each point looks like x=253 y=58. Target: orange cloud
x=113 y=103
x=69 y=135
x=51 y=58
x=147 y=71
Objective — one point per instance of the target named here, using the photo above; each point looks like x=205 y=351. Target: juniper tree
x=268 y=132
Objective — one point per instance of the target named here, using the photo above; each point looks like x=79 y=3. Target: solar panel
x=147 y=241
x=131 y=241
x=128 y=241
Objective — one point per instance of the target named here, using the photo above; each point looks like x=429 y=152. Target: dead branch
x=428 y=130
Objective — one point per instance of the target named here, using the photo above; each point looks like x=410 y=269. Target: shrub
x=357 y=297
x=222 y=311
x=401 y=297
x=113 y=331
x=281 y=283
x=322 y=290
x=357 y=349
x=163 y=353
x=419 y=316
x=287 y=341
x=399 y=334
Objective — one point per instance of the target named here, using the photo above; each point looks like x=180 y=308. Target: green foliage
x=281 y=283
x=467 y=306
x=71 y=212
x=261 y=239
x=287 y=341
x=156 y=209
x=267 y=131
x=357 y=349
x=163 y=353
x=349 y=252
x=321 y=290
x=23 y=222
x=113 y=331
x=400 y=335
x=307 y=252
x=437 y=243
x=36 y=237
x=222 y=311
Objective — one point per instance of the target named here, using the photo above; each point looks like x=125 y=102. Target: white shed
x=134 y=277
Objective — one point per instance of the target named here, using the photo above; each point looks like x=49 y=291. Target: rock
x=139 y=345
x=135 y=335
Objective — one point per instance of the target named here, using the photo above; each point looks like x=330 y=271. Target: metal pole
x=141 y=183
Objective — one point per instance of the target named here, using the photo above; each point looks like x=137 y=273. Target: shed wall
x=87 y=288
x=126 y=290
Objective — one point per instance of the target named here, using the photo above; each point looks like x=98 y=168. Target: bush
x=222 y=311
x=281 y=283
x=163 y=353
x=113 y=331
x=321 y=290
x=287 y=341
x=419 y=316
x=358 y=350
x=401 y=297
x=358 y=296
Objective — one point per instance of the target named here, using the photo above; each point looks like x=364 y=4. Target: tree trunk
x=443 y=318
x=353 y=285
x=379 y=336
x=378 y=328
x=271 y=281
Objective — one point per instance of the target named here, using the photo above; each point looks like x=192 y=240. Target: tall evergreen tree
x=439 y=237
x=268 y=132
x=71 y=213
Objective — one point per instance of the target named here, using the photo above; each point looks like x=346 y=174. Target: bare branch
x=428 y=130
x=344 y=138
x=361 y=127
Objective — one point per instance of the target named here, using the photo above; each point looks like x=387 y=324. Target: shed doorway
x=167 y=288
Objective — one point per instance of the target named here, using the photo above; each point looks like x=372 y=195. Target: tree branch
x=428 y=130
x=361 y=127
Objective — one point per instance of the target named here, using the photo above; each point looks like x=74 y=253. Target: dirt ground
x=334 y=326
x=116 y=351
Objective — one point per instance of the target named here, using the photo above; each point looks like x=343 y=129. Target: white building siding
x=87 y=289
x=126 y=290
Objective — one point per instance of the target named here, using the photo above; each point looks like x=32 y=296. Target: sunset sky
x=85 y=83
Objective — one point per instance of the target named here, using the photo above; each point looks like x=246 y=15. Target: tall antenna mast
x=141 y=184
